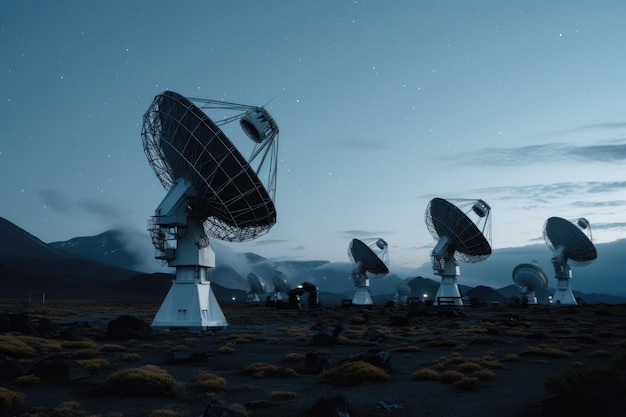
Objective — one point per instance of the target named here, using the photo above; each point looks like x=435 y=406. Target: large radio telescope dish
x=212 y=190
x=370 y=260
x=463 y=233
x=568 y=240
x=529 y=277
x=181 y=141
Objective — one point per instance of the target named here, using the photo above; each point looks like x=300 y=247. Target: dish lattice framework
x=470 y=240
x=573 y=237
x=371 y=255
x=529 y=277
x=180 y=140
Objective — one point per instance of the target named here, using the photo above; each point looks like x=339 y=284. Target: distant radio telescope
x=370 y=261
x=529 y=278
x=568 y=241
x=463 y=233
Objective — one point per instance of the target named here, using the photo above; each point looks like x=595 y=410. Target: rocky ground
x=268 y=362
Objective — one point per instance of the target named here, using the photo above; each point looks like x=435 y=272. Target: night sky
x=382 y=106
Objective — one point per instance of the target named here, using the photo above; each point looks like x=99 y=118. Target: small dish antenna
x=281 y=285
x=402 y=293
x=212 y=190
x=529 y=278
x=462 y=229
x=569 y=240
x=257 y=288
x=371 y=259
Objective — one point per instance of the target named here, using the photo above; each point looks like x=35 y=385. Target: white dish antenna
x=462 y=229
x=281 y=285
x=569 y=240
x=530 y=278
x=370 y=258
x=212 y=190
x=257 y=288
x=402 y=293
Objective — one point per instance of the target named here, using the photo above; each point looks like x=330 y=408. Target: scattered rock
x=377 y=357
x=127 y=327
x=398 y=321
x=9 y=369
x=258 y=404
x=217 y=408
x=189 y=357
x=72 y=333
x=374 y=335
x=327 y=338
x=59 y=370
x=317 y=362
x=336 y=406
x=495 y=331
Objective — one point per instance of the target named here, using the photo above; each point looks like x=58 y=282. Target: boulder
x=59 y=369
x=127 y=327
x=336 y=406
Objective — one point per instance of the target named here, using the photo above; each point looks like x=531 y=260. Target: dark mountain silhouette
x=109 y=248
x=101 y=268
x=486 y=295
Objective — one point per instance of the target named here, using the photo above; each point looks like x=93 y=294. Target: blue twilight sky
x=382 y=105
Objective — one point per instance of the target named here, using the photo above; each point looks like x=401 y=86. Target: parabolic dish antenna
x=402 y=292
x=212 y=190
x=463 y=233
x=568 y=241
x=370 y=261
x=529 y=278
x=257 y=287
x=281 y=285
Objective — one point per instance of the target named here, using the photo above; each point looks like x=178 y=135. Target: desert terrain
x=406 y=361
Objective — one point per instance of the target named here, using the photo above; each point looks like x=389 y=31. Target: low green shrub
x=69 y=409
x=166 y=412
x=467 y=383
x=147 y=380
x=93 y=365
x=283 y=395
x=425 y=374
x=112 y=348
x=131 y=357
x=14 y=347
x=547 y=351
x=208 y=380
x=10 y=400
x=354 y=373
x=262 y=370
x=442 y=343
x=451 y=376
x=27 y=380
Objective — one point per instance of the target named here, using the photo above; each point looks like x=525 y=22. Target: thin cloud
x=63 y=203
x=351 y=234
x=594 y=204
x=549 y=152
x=265 y=242
x=102 y=209
x=55 y=199
x=545 y=192
x=610 y=226
x=608 y=125
x=362 y=144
